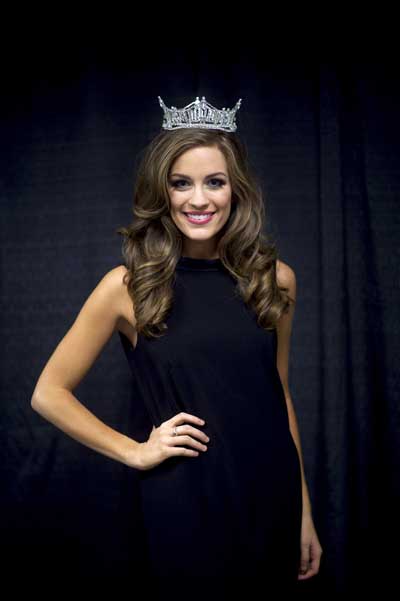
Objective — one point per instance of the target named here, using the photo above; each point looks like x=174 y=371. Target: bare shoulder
x=115 y=279
x=126 y=322
x=286 y=277
x=113 y=287
x=109 y=305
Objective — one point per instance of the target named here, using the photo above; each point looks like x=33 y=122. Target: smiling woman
x=212 y=319
x=205 y=323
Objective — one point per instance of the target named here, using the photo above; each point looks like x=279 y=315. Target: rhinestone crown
x=200 y=114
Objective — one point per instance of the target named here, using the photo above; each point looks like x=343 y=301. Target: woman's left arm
x=311 y=549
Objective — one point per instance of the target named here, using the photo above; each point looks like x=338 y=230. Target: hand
x=162 y=442
x=311 y=549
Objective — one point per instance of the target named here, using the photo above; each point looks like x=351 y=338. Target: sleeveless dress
x=224 y=524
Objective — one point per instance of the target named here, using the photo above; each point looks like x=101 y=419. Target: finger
x=311 y=570
x=183 y=451
x=193 y=431
x=182 y=417
x=304 y=560
x=315 y=563
x=315 y=558
x=307 y=575
x=186 y=439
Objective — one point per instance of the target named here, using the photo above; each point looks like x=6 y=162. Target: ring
x=174 y=432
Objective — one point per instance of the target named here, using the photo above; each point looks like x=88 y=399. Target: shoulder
x=113 y=289
x=112 y=283
x=116 y=275
x=116 y=282
x=286 y=278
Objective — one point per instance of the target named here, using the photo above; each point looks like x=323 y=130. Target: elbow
x=44 y=396
x=35 y=400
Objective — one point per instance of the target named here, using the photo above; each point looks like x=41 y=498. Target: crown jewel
x=199 y=114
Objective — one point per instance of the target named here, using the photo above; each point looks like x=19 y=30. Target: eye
x=217 y=179
x=175 y=184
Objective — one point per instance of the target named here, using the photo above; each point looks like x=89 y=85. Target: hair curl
x=152 y=243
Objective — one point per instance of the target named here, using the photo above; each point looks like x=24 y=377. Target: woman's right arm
x=53 y=395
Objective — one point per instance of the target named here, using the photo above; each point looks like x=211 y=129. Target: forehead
x=199 y=159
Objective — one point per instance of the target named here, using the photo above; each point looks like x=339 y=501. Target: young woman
x=204 y=310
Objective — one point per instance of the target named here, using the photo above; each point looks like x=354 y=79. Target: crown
x=199 y=114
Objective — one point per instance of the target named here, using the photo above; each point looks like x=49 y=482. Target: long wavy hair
x=152 y=243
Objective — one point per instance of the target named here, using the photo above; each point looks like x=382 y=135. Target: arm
x=53 y=395
x=286 y=277
x=311 y=550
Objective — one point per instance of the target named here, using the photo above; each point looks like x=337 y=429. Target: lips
x=199 y=218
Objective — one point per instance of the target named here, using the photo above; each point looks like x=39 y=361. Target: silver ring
x=174 y=432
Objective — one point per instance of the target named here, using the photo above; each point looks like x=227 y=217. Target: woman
x=204 y=311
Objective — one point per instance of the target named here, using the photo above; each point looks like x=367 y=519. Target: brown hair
x=152 y=243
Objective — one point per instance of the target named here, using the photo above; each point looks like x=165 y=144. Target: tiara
x=199 y=114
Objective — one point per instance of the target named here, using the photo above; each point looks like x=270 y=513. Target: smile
x=199 y=217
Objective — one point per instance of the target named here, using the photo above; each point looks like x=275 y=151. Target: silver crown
x=199 y=114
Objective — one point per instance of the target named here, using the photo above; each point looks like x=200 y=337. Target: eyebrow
x=211 y=174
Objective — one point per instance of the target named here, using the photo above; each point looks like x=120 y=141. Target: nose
x=199 y=200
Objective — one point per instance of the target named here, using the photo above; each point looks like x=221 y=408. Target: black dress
x=225 y=524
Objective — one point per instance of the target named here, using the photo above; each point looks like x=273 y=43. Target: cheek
x=175 y=203
x=227 y=203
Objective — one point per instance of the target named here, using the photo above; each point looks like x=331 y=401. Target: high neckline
x=199 y=264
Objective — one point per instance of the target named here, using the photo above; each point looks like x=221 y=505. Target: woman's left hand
x=311 y=549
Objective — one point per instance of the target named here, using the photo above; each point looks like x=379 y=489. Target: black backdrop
x=323 y=137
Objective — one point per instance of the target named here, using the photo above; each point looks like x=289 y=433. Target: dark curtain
x=323 y=137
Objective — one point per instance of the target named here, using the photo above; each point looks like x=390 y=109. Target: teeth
x=196 y=215
x=199 y=218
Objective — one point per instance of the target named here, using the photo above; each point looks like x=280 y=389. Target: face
x=198 y=183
